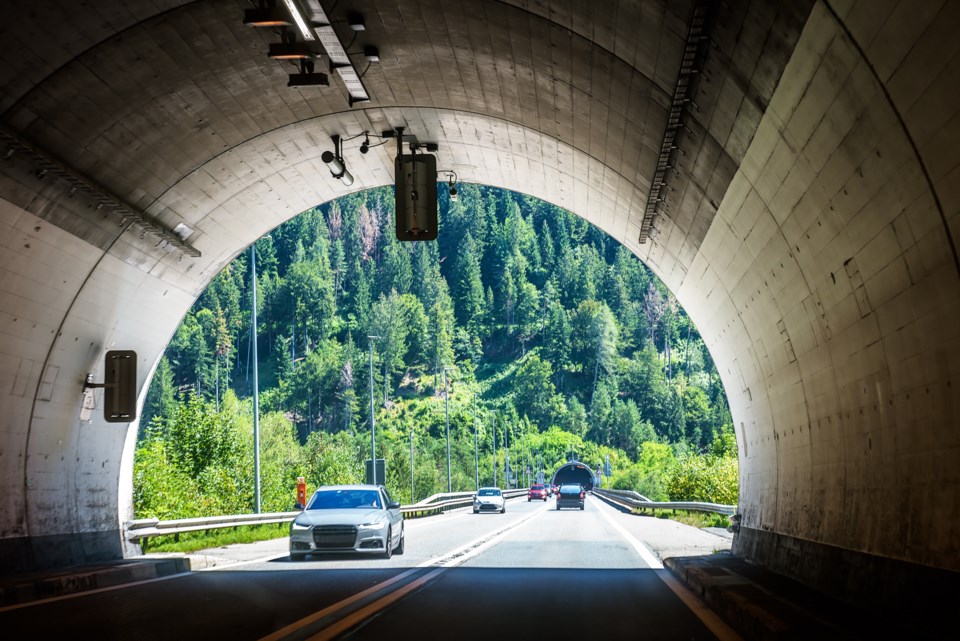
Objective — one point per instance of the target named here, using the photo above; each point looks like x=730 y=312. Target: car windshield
x=344 y=499
x=537 y=487
x=567 y=489
x=489 y=492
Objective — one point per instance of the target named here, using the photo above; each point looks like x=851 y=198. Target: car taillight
x=581 y=495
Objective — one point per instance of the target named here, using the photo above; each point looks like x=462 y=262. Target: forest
x=523 y=337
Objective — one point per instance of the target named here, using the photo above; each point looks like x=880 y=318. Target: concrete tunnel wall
x=811 y=233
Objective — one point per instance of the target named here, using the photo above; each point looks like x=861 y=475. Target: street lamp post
x=256 y=387
x=476 y=446
x=373 y=429
x=493 y=427
x=446 y=397
x=413 y=499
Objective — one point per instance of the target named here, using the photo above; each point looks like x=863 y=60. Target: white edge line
x=701 y=610
x=648 y=557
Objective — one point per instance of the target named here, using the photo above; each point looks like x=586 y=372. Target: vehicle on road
x=348 y=518
x=538 y=492
x=489 y=499
x=570 y=495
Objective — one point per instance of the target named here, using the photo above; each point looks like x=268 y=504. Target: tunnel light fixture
x=298 y=50
x=452 y=185
x=307 y=77
x=305 y=30
x=355 y=20
x=266 y=16
x=334 y=162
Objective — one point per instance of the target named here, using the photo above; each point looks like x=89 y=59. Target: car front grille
x=490 y=506
x=334 y=536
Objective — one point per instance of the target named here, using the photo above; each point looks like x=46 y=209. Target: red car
x=538 y=492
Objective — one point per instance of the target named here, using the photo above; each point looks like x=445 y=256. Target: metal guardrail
x=638 y=501
x=141 y=529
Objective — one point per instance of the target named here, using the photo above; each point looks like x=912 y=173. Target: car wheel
x=503 y=510
x=558 y=506
x=476 y=511
x=581 y=506
x=297 y=556
x=389 y=542
x=528 y=499
x=403 y=539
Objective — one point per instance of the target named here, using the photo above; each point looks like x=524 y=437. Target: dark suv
x=537 y=492
x=570 y=495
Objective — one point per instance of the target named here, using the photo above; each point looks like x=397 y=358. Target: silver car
x=348 y=518
x=489 y=499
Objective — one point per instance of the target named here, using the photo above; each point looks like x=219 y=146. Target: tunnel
x=788 y=169
x=573 y=472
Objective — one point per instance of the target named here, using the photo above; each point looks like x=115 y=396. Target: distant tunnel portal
x=574 y=472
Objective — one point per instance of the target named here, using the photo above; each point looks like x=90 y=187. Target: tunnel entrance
x=574 y=472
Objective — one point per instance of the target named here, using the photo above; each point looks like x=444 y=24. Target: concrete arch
x=809 y=228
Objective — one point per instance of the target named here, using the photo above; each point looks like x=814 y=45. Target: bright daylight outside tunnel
x=564 y=360
x=789 y=170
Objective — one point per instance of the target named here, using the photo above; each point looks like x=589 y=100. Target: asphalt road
x=533 y=570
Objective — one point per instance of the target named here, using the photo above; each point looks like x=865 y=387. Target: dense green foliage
x=546 y=330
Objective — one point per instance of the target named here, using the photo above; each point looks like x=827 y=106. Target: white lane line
x=645 y=553
x=701 y=610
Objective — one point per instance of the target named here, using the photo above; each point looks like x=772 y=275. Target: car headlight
x=298 y=526
x=374 y=525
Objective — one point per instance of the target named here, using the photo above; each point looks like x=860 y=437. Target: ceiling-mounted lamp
x=307 y=77
x=290 y=48
x=334 y=162
x=267 y=14
x=452 y=185
x=305 y=30
x=355 y=20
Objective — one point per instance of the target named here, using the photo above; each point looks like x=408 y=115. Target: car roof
x=489 y=487
x=354 y=486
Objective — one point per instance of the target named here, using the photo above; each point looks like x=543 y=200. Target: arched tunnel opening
x=784 y=168
x=574 y=472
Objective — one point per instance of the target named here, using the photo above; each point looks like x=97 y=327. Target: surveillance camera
x=364 y=148
x=453 y=194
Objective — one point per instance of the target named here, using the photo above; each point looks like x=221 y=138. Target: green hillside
x=547 y=331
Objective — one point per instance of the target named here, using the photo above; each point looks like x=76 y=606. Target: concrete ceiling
x=809 y=224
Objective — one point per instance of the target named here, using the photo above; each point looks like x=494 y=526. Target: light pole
x=476 y=446
x=506 y=455
x=446 y=402
x=256 y=387
x=493 y=427
x=373 y=429
x=413 y=499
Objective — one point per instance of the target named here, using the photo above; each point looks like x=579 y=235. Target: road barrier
x=142 y=529
x=638 y=501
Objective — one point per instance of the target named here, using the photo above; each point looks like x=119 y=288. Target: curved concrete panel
x=809 y=225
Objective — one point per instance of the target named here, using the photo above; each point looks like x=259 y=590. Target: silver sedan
x=348 y=518
x=489 y=499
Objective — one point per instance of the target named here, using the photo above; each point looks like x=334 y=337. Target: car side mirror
x=298 y=506
x=393 y=505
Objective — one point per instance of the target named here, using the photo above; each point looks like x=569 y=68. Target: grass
x=695 y=519
x=194 y=541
